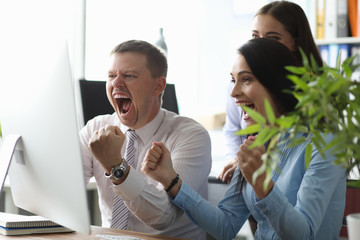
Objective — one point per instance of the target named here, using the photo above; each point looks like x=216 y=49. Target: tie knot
x=131 y=135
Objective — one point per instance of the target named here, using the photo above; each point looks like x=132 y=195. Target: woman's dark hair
x=267 y=60
x=295 y=22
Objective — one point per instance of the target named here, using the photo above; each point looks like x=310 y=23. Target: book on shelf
x=14 y=224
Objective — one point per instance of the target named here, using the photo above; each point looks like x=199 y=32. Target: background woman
x=284 y=22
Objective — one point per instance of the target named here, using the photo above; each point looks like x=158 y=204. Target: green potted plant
x=329 y=103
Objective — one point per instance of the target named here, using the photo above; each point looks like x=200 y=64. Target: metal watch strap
x=118 y=172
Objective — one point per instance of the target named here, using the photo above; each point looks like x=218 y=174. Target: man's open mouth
x=124 y=104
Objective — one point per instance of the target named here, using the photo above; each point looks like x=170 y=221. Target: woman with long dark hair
x=298 y=203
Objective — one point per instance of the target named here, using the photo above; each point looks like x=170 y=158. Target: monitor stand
x=6 y=154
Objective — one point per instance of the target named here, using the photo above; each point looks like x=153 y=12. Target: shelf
x=345 y=40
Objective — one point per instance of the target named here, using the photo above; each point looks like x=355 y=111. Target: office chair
x=94 y=99
x=95 y=102
x=169 y=99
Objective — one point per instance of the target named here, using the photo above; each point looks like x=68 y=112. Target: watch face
x=118 y=173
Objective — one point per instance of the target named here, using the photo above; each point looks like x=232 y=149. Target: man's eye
x=232 y=80
x=129 y=76
x=111 y=76
x=254 y=36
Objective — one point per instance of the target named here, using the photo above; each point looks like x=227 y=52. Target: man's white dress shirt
x=150 y=206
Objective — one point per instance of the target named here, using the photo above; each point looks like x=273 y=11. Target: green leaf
x=305 y=60
x=257 y=117
x=308 y=152
x=318 y=138
x=296 y=142
x=333 y=143
x=264 y=135
x=334 y=87
x=269 y=112
x=285 y=121
x=314 y=63
x=302 y=128
x=319 y=147
x=299 y=83
x=254 y=128
x=296 y=70
x=274 y=140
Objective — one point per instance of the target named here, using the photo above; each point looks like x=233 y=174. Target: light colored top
x=190 y=148
x=303 y=204
x=233 y=123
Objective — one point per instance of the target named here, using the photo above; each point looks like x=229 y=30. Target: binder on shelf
x=342 y=25
x=324 y=53
x=353 y=17
x=320 y=19
x=344 y=51
x=355 y=51
x=14 y=224
x=330 y=19
x=333 y=54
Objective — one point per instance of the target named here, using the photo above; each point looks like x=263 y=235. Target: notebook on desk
x=14 y=224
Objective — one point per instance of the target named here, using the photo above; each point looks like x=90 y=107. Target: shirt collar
x=149 y=130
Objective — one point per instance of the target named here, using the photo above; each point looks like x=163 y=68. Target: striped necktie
x=120 y=211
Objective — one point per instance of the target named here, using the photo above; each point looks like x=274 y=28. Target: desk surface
x=94 y=231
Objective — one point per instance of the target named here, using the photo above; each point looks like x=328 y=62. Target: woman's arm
x=222 y=221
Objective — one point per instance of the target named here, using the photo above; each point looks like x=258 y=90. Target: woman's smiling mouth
x=246 y=104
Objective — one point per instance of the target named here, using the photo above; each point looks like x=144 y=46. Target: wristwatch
x=118 y=172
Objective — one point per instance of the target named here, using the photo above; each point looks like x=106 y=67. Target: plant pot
x=353 y=226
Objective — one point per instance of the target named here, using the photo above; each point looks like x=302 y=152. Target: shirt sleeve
x=318 y=186
x=222 y=221
x=191 y=156
x=233 y=124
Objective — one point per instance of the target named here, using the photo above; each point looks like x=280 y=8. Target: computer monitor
x=37 y=102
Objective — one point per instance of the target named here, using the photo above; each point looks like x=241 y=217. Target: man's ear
x=160 y=85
